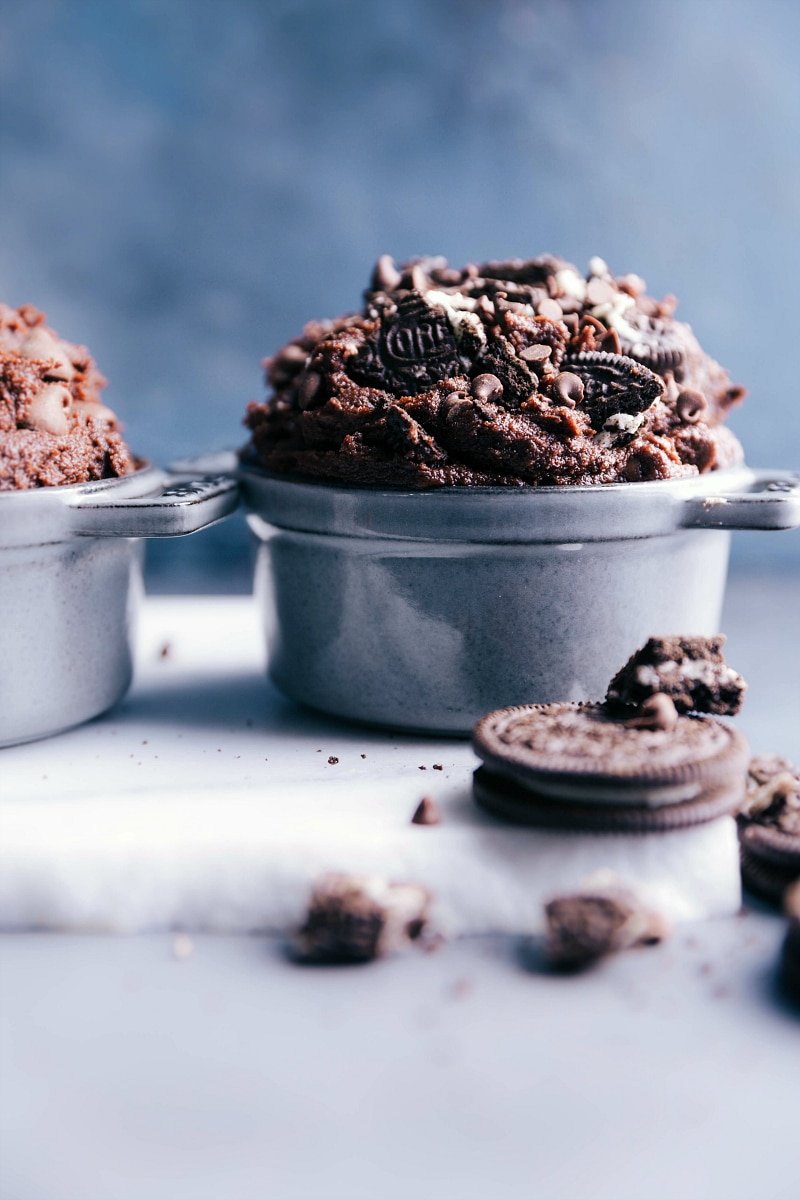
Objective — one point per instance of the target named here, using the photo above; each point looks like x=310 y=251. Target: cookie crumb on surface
x=332 y=760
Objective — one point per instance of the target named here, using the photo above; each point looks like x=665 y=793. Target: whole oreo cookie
x=584 y=753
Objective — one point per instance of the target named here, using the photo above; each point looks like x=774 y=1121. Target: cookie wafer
x=503 y=797
x=585 y=754
x=765 y=879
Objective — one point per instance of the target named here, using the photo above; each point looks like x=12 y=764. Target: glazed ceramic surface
x=424 y=610
x=70 y=579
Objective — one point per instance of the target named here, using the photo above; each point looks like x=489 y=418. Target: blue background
x=182 y=185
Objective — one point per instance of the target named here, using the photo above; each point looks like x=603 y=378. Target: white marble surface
x=207 y=802
x=126 y=1072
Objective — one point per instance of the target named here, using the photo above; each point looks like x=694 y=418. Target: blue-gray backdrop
x=183 y=183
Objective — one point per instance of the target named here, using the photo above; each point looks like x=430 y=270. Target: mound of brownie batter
x=53 y=427
x=519 y=372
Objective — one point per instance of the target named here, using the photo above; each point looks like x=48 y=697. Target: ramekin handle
x=184 y=505
x=772 y=501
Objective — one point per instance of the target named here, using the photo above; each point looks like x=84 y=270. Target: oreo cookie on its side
x=769 y=827
x=508 y=800
x=790 y=951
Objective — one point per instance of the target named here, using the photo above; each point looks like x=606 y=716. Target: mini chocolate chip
x=599 y=291
x=568 y=389
x=532 y=354
x=426 y=812
x=454 y=404
x=487 y=387
x=550 y=309
x=386 y=276
x=638 y=468
x=309 y=387
x=691 y=406
x=656 y=712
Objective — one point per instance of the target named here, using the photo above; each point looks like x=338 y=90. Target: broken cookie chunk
x=773 y=793
x=691 y=671
x=585 y=926
x=356 y=918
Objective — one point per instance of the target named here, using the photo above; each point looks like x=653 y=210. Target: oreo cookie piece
x=613 y=383
x=587 y=754
x=357 y=918
x=690 y=670
x=603 y=918
x=500 y=360
x=662 y=345
x=415 y=347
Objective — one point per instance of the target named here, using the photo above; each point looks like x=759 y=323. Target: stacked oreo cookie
x=790 y=953
x=633 y=764
x=769 y=827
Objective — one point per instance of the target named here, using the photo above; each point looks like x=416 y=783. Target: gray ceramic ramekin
x=69 y=582
x=423 y=610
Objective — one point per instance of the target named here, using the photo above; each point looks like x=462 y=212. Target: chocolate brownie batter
x=54 y=429
x=518 y=372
